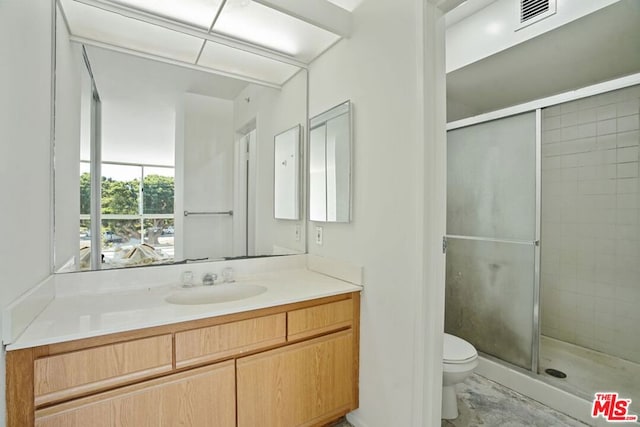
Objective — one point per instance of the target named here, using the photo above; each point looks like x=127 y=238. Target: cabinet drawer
x=69 y=375
x=203 y=397
x=319 y=319
x=203 y=345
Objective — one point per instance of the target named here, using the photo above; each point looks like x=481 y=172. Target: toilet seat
x=457 y=351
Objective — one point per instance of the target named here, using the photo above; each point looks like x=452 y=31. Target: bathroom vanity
x=288 y=357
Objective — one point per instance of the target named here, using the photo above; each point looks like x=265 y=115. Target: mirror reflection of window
x=84 y=258
x=137 y=207
x=158 y=194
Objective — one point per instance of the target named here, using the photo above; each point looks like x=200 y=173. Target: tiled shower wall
x=590 y=236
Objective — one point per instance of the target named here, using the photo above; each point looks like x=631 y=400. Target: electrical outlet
x=297 y=231
x=318 y=235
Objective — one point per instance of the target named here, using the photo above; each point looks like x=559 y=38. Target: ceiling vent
x=534 y=10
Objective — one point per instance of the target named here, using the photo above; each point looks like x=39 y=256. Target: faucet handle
x=209 y=279
x=227 y=275
x=187 y=279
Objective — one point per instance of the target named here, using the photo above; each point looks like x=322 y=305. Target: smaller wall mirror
x=330 y=165
x=286 y=169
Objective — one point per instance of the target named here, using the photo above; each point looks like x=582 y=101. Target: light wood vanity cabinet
x=310 y=321
x=68 y=375
x=298 y=385
x=203 y=345
x=290 y=365
x=202 y=397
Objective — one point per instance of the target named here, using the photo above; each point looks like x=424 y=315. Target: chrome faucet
x=209 y=279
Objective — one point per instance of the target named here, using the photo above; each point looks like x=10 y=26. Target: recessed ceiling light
x=199 y=13
x=239 y=62
x=114 y=29
x=252 y=22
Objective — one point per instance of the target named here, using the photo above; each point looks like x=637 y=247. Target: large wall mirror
x=164 y=142
x=330 y=165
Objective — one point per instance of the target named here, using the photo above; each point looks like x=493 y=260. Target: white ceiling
x=283 y=33
x=598 y=47
x=200 y=13
x=349 y=5
x=241 y=38
x=119 y=75
x=469 y=7
x=139 y=98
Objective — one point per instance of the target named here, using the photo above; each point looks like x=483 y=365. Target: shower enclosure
x=492 y=237
x=543 y=240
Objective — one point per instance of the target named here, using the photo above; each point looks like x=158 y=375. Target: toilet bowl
x=459 y=359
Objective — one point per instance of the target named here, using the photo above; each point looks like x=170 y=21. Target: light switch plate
x=318 y=235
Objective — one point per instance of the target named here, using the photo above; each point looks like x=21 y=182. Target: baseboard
x=355 y=420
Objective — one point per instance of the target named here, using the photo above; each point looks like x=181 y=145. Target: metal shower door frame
x=535 y=320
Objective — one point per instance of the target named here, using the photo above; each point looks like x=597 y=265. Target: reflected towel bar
x=187 y=213
x=490 y=239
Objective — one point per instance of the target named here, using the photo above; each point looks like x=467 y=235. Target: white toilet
x=459 y=359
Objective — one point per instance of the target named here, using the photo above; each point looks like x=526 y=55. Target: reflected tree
x=122 y=198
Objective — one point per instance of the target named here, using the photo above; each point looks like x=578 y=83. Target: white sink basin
x=214 y=294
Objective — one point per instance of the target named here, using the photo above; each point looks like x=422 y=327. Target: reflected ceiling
x=239 y=38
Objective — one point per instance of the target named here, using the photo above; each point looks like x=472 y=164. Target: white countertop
x=75 y=317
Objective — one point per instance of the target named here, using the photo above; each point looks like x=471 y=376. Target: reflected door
x=244 y=221
x=491 y=280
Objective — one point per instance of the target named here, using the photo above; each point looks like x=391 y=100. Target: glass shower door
x=492 y=233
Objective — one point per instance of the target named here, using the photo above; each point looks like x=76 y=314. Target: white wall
x=274 y=111
x=67 y=145
x=380 y=69
x=25 y=148
x=207 y=150
x=137 y=130
x=591 y=222
x=493 y=29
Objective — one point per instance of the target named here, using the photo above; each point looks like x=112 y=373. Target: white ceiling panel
x=199 y=13
x=252 y=22
x=230 y=60
x=111 y=28
x=118 y=75
x=349 y=5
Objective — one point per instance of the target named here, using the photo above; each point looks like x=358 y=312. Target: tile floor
x=590 y=371
x=482 y=402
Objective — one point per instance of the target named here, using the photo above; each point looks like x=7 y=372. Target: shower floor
x=590 y=371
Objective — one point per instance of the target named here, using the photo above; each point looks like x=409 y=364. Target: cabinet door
x=299 y=385
x=203 y=397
